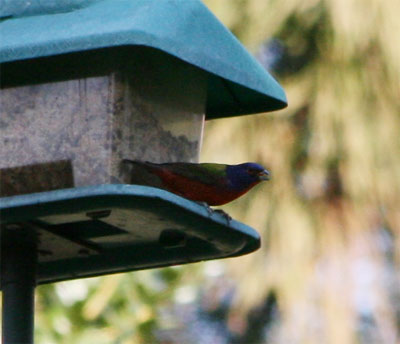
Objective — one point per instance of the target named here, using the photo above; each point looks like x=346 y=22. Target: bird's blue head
x=246 y=175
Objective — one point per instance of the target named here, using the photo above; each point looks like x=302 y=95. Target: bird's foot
x=212 y=211
x=223 y=213
x=208 y=208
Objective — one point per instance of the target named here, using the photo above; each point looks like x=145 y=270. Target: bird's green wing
x=207 y=173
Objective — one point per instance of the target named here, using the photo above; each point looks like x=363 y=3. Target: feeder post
x=18 y=281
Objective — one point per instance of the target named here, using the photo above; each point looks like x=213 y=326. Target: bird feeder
x=85 y=84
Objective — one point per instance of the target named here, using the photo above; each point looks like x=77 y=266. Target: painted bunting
x=214 y=184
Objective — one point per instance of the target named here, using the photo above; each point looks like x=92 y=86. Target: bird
x=210 y=183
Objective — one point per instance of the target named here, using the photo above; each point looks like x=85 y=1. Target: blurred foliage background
x=327 y=271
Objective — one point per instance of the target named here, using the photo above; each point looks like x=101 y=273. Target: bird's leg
x=212 y=211
x=223 y=213
x=205 y=205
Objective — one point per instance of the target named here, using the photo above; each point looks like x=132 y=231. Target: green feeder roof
x=237 y=84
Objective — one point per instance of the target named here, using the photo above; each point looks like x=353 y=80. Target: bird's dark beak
x=264 y=175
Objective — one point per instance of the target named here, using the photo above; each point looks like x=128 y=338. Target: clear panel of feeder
x=68 y=133
x=116 y=227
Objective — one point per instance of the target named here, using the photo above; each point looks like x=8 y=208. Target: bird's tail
x=130 y=161
x=143 y=172
x=143 y=165
x=147 y=164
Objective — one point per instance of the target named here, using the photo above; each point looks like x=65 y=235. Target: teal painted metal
x=238 y=84
x=104 y=229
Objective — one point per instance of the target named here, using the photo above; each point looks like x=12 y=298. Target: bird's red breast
x=198 y=191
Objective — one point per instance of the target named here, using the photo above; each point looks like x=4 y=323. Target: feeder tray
x=104 y=229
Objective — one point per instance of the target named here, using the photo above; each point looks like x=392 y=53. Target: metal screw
x=83 y=252
x=45 y=252
x=94 y=215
